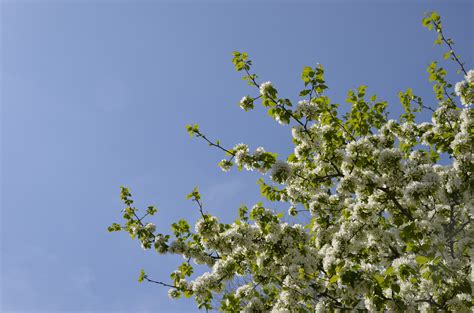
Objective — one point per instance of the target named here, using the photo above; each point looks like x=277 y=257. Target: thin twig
x=448 y=43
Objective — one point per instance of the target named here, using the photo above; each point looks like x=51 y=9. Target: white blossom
x=246 y=103
x=173 y=293
x=150 y=227
x=381 y=218
x=459 y=87
x=264 y=87
x=470 y=77
x=280 y=169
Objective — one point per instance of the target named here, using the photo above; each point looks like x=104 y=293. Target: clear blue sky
x=96 y=94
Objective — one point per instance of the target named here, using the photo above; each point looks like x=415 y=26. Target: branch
x=448 y=43
x=447 y=95
x=432 y=302
x=136 y=216
x=462 y=227
x=217 y=145
x=304 y=125
x=422 y=105
x=341 y=126
x=319 y=178
x=391 y=196
x=158 y=282
x=349 y=240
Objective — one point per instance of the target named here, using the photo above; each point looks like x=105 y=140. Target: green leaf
x=334 y=279
x=194 y=194
x=421 y=259
x=114 y=227
x=395 y=288
x=361 y=91
x=307 y=74
x=426 y=21
x=409 y=247
x=192 y=129
x=142 y=276
x=379 y=278
x=304 y=92
x=435 y=16
x=151 y=210
x=389 y=270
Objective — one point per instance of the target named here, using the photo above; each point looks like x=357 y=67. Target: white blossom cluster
x=246 y=103
x=389 y=227
x=306 y=108
x=265 y=88
x=465 y=89
x=281 y=171
x=388 y=208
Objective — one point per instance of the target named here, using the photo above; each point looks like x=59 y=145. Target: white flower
x=464 y=296
x=176 y=247
x=459 y=87
x=241 y=152
x=404 y=260
x=159 y=239
x=225 y=165
x=280 y=170
x=369 y=304
x=306 y=108
x=173 y=293
x=150 y=227
x=388 y=158
x=243 y=291
x=258 y=152
x=431 y=179
x=254 y=305
x=470 y=77
x=375 y=207
x=246 y=103
x=292 y=211
x=297 y=132
x=320 y=307
x=264 y=87
x=134 y=229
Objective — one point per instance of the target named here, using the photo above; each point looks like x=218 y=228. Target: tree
x=389 y=225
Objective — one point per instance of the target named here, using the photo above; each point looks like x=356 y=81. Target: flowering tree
x=389 y=226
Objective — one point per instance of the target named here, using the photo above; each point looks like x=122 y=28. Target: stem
x=448 y=43
x=254 y=82
x=200 y=208
x=158 y=282
x=391 y=196
x=199 y=134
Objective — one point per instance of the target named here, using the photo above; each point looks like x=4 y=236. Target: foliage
x=389 y=224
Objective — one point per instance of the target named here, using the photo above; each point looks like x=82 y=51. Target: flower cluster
x=387 y=206
x=246 y=103
x=465 y=89
x=266 y=88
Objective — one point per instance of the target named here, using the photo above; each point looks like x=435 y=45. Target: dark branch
x=158 y=282
x=449 y=44
x=213 y=144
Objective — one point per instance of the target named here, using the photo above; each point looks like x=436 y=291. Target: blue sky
x=96 y=94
